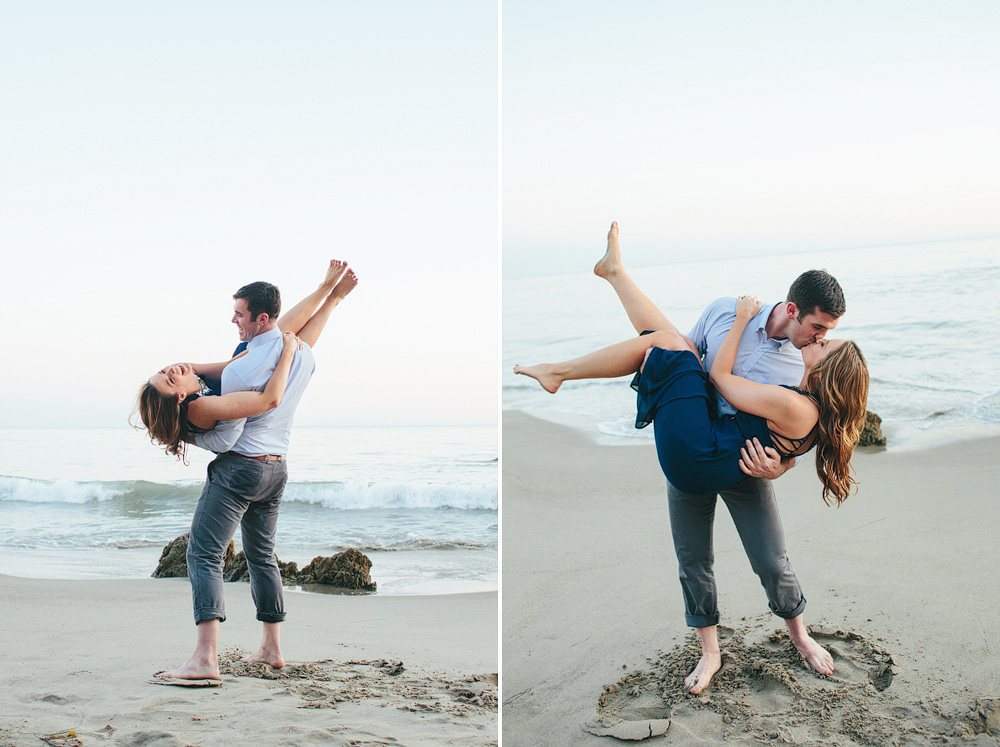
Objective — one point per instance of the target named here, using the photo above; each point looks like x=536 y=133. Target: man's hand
x=765 y=463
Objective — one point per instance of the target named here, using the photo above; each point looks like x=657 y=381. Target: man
x=244 y=487
x=769 y=353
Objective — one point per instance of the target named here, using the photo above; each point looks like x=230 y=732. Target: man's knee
x=203 y=555
x=260 y=559
x=772 y=569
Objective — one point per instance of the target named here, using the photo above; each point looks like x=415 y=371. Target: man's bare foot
x=611 y=262
x=194 y=669
x=544 y=374
x=817 y=656
x=333 y=274
x=344 y=286
x=265 y=656
x=698 y=680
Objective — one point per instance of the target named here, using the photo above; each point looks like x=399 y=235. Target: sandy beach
x=80 y=654
x=902 y=586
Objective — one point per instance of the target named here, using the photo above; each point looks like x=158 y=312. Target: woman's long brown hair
x=163 y=418
x=840 y=384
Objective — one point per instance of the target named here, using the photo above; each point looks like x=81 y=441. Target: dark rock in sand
x=871 y=434
x=173 y=559
x=347 y=570
x=238 y=571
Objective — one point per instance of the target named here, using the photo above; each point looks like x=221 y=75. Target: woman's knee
x=670 y=339
x=664 y=338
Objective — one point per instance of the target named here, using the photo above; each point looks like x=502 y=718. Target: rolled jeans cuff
x=271 y=617
x=701 y=621
x=209 y=613
x=799 y=609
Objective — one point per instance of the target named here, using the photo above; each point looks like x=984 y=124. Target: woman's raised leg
x=309 y=334
x=296 y=317
x=620 y=359
x=642 y=312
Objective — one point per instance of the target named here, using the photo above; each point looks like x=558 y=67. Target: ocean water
x=925 y=316
x=421 y=502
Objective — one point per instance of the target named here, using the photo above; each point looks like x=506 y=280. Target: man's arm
x=214 y=370
x=699 y=334
x=226 y=432
x=222 y=437
x=763 y=462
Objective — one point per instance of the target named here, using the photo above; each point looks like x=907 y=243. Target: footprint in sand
x=763 y=680
x=856 y=659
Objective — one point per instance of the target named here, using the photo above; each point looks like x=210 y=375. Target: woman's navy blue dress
x=699 y=450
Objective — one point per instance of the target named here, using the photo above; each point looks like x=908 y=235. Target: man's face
x=807 y=329
x=244 y=323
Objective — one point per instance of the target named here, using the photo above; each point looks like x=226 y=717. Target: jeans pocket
x=240 y=476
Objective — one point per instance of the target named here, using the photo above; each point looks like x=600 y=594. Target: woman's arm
x=298 y=316
x=206 y=411
x=765 y=400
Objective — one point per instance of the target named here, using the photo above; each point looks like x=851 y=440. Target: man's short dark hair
x=817 y=289
x=261 y=298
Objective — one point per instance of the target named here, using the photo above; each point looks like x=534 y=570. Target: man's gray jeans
x=246 y=493
x=755 y=514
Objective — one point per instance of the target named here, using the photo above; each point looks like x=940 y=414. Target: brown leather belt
x=264 y=458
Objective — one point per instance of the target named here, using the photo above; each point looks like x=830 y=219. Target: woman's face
x=177 y=379
x=813 y=354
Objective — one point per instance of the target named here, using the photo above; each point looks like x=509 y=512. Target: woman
x=179 y=401
x=699 y=452
x=829 y=419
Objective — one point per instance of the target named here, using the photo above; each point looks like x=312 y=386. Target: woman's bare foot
x=611 y=262
x=195 y=669
x=333 y=273
x=544 y=374
x=344 y=286
x=698 y=680
x=817 y=656
x=265 y=656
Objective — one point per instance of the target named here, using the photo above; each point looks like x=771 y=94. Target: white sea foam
x=109 y=502
x=988 y=408
x=55 y=491
x=359 y=496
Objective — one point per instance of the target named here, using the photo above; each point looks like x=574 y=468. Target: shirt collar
x=761 y=324
x=264 y=337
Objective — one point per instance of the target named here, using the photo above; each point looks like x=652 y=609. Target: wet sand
x=902 y=586
x=362 y=670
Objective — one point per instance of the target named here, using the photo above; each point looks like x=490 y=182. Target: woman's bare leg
x=643 y=313
x=710 y=662
x=620 y=359
x=310 y=333
x=296 y=317
x=817 y=656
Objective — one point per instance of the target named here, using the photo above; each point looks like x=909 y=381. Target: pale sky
x=716 y=129
x=157 y=156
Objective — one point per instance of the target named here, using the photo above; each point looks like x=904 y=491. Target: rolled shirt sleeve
x=226 y=432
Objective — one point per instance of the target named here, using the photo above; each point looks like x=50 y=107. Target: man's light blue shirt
x=757 y=358
x=267 y=433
